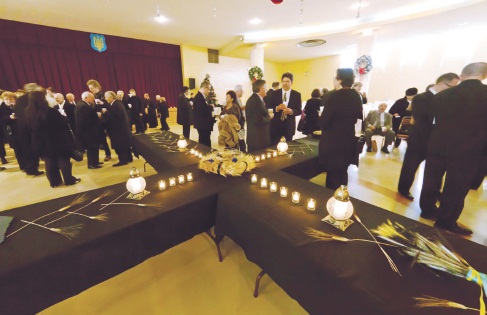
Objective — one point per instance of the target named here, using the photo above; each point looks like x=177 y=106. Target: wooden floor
x=188 y=279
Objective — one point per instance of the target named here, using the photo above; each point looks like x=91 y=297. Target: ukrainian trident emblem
x=98 y=42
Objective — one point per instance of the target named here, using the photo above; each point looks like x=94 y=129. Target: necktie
x=283 y=115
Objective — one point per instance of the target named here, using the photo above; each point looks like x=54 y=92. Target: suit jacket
x=423 y=115
x=184 y=109
x=268 y=97
x=203 y=118
x=294 y=104
x=258 y=120
x=399 y=107
x=119 y=128
x=136 y=103
x=88 y=126
x=69 y=110
x=460 y=121
x=312 y=121
x=373 y=117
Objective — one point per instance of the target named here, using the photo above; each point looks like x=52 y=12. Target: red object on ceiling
x=277 y=1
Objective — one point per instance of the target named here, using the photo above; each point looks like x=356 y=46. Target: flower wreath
x=255 y=73
x=227 y=163
x=363 y=65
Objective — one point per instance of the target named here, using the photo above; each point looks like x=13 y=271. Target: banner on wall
x=98 y=42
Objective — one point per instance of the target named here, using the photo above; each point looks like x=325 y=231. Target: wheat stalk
x=100 y=217
x=69 y=232
x=430 y=301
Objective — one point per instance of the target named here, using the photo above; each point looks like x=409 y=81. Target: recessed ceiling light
x=359 y=5
x=311 y=43
x=161 y=19
x=255 y=21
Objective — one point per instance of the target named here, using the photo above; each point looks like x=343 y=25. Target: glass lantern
x=136 y=185
x=182 y=143
x=282 y=146
x=340 y=209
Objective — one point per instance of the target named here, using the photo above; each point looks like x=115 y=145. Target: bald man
x=70 y=99
x=88 y=128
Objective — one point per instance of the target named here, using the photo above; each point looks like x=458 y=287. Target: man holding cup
x=258 y=118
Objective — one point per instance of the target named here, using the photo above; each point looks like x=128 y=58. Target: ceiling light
x=255 y=21
x=311 y=43
x=161 y=19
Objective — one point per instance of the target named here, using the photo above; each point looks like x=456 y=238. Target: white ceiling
x=223 y=24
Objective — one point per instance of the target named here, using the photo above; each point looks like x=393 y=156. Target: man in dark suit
x=268 y=94
x=101 y=106
x=88 y=128
x=184 y=109
x=70 y=99
x=203 y=114
x=118 y=129
x=399 y=110
x=286 y=104
x=258 y=118
x=455 y=147
x=121 y=97
x=420 y=133
x=66 y=109
x=135 y=104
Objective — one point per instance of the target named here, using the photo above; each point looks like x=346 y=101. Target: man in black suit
x=286 y=104
x=399 y=110
x=203 y=114
x=119 y=128
x=258 y=118
x=101 y=106
x=121 y=97
x=135 y=104
x=455 y=147
x=88 y=128
x=184 y=109
x=268 y=94
x=70 y=99
x=66 y=109
x=420 y=133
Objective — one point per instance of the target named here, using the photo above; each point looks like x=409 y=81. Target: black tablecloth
x=334 y=277
x=39 y=268
x=158 y=155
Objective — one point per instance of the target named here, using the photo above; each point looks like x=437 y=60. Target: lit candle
x=191 y=151
x=253 y=178
x=269 y=155
x=200 y=155
x=262 y=157
x=181 y=179
x=257 y=159
x=162 y=184
x=273 y=186
x=311 y=205
x=172 y=181
x=283 y=191
x=295 y=197
x=274 y=153
x=263 y=183
x=189 y=177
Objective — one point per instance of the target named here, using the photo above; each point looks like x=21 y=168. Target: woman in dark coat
x=338 y=145
x=164 y=111
x=51 y=139
x=312 y=111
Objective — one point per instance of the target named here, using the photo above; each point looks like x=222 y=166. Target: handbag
x=75 y=154
x=360 y=143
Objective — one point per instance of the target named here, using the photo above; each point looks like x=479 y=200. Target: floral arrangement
x=255 y=73
x=363 y=65
x=227 y=163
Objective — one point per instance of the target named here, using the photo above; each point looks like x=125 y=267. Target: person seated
x=378 y=122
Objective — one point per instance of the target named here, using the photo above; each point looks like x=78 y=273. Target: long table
x=334 y=277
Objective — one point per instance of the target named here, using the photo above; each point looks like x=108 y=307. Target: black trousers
x=105 y=147
x=335 y=177
x=164 y=125
x=186 y=130
x=278 y=130
x=139 y=124
x=124 y=155
x=460 y=173
x=57 y=166
x=412 y=160
x=204 y=137
x=3 y=153
x=93 y=156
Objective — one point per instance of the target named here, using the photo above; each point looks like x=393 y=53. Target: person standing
x=135 y=104
x=203 y=114
x=455 y=147
x=151 y=111
x=338 y=145
x=184 y=109
x=88 y=128
x=312 y=111
x=286 y=104
x=258 y=118
x=118 y=129
x=101 y=106
x=66 y=109
x=51 y=139
x=420 y=133
x=241 y=106
x=164 y=112
x=400 y=109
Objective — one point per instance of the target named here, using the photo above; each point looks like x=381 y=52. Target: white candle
x=273 y=186
x=257 y=159
x=262 y=157
x=283 y=191
x=274 y=154
x=181 y=179
x=162 y=184
x=263 y=183
x=295 y=196
x=269 y=155
x=191 y=151
x=172 y=181
x=311 y=205
x=253 y=178
x=189 y=177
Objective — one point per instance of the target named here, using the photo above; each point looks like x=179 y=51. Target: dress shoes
x=2 y=168
x=369 y=149
x=76 y=180
x=119 y=164
x=56 y=185
x=91 y=167
x=453 y=228
x=99 y=163
x=37 y=173
x=107 y=158
x=429 y=215
x=384 y=149
x=407 y=195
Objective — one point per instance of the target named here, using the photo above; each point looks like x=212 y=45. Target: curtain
x=65 y=60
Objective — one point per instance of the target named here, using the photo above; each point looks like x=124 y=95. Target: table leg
x=257 y=283
x=217 y=243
